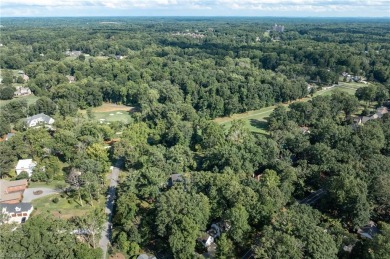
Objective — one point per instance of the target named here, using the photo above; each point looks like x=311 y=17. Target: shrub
x=22 y=175
x=56 y=200
x=7 y=93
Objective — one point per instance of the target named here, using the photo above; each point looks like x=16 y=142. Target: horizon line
x=199 y=16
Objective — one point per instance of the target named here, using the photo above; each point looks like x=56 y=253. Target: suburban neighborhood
x=231 y=133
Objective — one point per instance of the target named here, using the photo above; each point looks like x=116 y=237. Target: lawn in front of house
x=66 y=207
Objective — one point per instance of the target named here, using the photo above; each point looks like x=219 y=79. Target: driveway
x=28 y=194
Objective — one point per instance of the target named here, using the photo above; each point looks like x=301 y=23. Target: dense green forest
x=182 y=172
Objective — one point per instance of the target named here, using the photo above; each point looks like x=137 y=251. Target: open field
x=109 y=112
x=112 y=107
x=112 y=116
x=29 y=98
x=256 y=120
x=63 y=209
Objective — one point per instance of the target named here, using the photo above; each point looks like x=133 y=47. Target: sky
x=287 y=8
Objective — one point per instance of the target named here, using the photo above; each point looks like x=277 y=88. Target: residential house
x=278 y=28
x=304 y=130
x=11 y=192
x=25 y=165
x=175 y=178
x=38 y=119
x=206 y=239
x=369 y=230
x=74 y=53
x=71 y=79
x=379 y=114
x=215 y=231
x=25 y=77
x=16 y=213
x=22 y=91
x=381 y=111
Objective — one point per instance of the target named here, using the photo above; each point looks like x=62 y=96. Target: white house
x=25 y=165
x=16 y=213
x=21 y=91
x=39 y=118
x=206 y=240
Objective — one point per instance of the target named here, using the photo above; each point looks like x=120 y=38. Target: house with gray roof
x=39 y=119
x=16 y=213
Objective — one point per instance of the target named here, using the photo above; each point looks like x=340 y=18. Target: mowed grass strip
x=256 y=120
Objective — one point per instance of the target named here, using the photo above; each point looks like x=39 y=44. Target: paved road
x=28 y=194
x=107 y=231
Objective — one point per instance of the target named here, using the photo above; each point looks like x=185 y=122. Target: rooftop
x=40 y=116
x=17 y=208
x=8 y=197
x=4 y=184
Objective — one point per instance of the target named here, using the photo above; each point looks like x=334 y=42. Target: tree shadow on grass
x=263 y=125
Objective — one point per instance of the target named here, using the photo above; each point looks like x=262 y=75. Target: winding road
x=107 y=227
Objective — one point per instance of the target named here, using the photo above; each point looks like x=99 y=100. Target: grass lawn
x=64 y=209
x=112 y=116
x=109 y=112
x=29 y=98
x=256 y=120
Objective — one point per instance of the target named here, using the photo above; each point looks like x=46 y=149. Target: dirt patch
x=37 y=192
x=112 y=107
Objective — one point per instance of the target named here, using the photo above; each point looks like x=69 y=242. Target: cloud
x=219 y=7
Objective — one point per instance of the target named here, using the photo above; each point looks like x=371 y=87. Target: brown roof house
x=11 y=192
